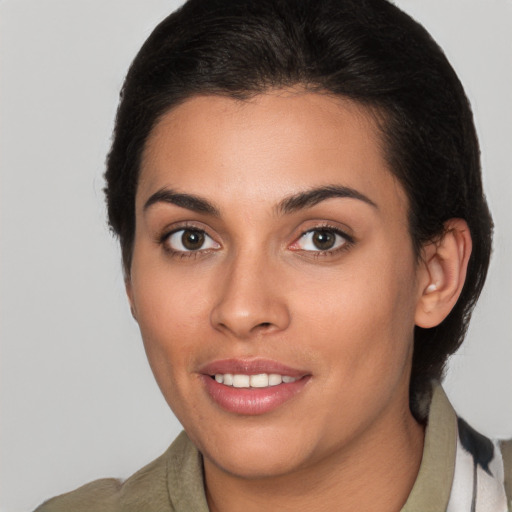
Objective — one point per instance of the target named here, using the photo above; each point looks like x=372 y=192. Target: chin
x=255 y=453
x=255 y=467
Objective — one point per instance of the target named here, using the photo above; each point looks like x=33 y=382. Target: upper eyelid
x=179 y=226
x=163 y=235
x=186 y=228
x=348 y=239
x=164 y=241
x=327 y=226
x=173 y=231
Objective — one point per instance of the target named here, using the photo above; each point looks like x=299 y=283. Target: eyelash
x=164 y=238
x=163 y=241
x=348 y=242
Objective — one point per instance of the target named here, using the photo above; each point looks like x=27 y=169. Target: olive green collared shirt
x=174 y=481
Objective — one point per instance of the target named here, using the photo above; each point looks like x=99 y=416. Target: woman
x=296 y=189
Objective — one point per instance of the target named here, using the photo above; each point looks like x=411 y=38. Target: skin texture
x=258 y=288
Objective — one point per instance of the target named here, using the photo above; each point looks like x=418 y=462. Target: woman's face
x=274 y=280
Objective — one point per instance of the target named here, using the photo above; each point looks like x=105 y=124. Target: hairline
x=380 y=115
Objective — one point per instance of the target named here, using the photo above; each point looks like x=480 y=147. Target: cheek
x=171 y=312
x=363 y=318
x=169 y=327
x=168 y=298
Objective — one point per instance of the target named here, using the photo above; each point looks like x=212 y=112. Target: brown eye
x=324 y=240
x=192 y=240
x=188 y=240
x=321 y=239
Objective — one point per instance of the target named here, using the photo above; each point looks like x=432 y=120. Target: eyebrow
x=299 y=201
x=188 y=201
x=312 y=197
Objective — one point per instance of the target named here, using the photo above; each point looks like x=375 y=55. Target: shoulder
x=461 y=469
x=147 y=489
x=99 y=495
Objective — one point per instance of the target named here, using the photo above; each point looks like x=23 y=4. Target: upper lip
x=250 y=367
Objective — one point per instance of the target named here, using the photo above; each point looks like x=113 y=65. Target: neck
x=376 y=474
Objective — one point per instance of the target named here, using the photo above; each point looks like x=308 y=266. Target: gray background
x=78 y=401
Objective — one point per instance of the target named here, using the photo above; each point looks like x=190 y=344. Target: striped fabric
x=478 y=481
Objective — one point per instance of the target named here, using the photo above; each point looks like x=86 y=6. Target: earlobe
x=445 y=263
x=129 y=293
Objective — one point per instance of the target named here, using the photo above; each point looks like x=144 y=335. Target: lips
x=252 y=387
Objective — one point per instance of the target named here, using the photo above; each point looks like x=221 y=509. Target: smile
x=261 y=380
x=252 y=387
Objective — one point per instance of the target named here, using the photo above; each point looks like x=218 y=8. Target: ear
x=445 y=262
x=129 y=292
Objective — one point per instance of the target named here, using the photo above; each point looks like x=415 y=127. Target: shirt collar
x=185 y=476
x=431 y=491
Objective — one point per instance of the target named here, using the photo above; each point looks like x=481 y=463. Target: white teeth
x=241 y=381
x=262 y=380
x=259 y=381
x=274 y=379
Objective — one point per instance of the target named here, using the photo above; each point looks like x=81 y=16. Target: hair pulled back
x=365 y=50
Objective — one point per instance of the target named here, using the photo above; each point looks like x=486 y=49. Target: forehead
x=267 y=147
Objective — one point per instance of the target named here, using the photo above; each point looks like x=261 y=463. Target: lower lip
x=252 y=401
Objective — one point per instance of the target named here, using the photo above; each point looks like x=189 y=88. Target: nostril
x=264 y=325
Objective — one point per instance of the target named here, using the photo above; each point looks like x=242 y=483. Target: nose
x=250 y=300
